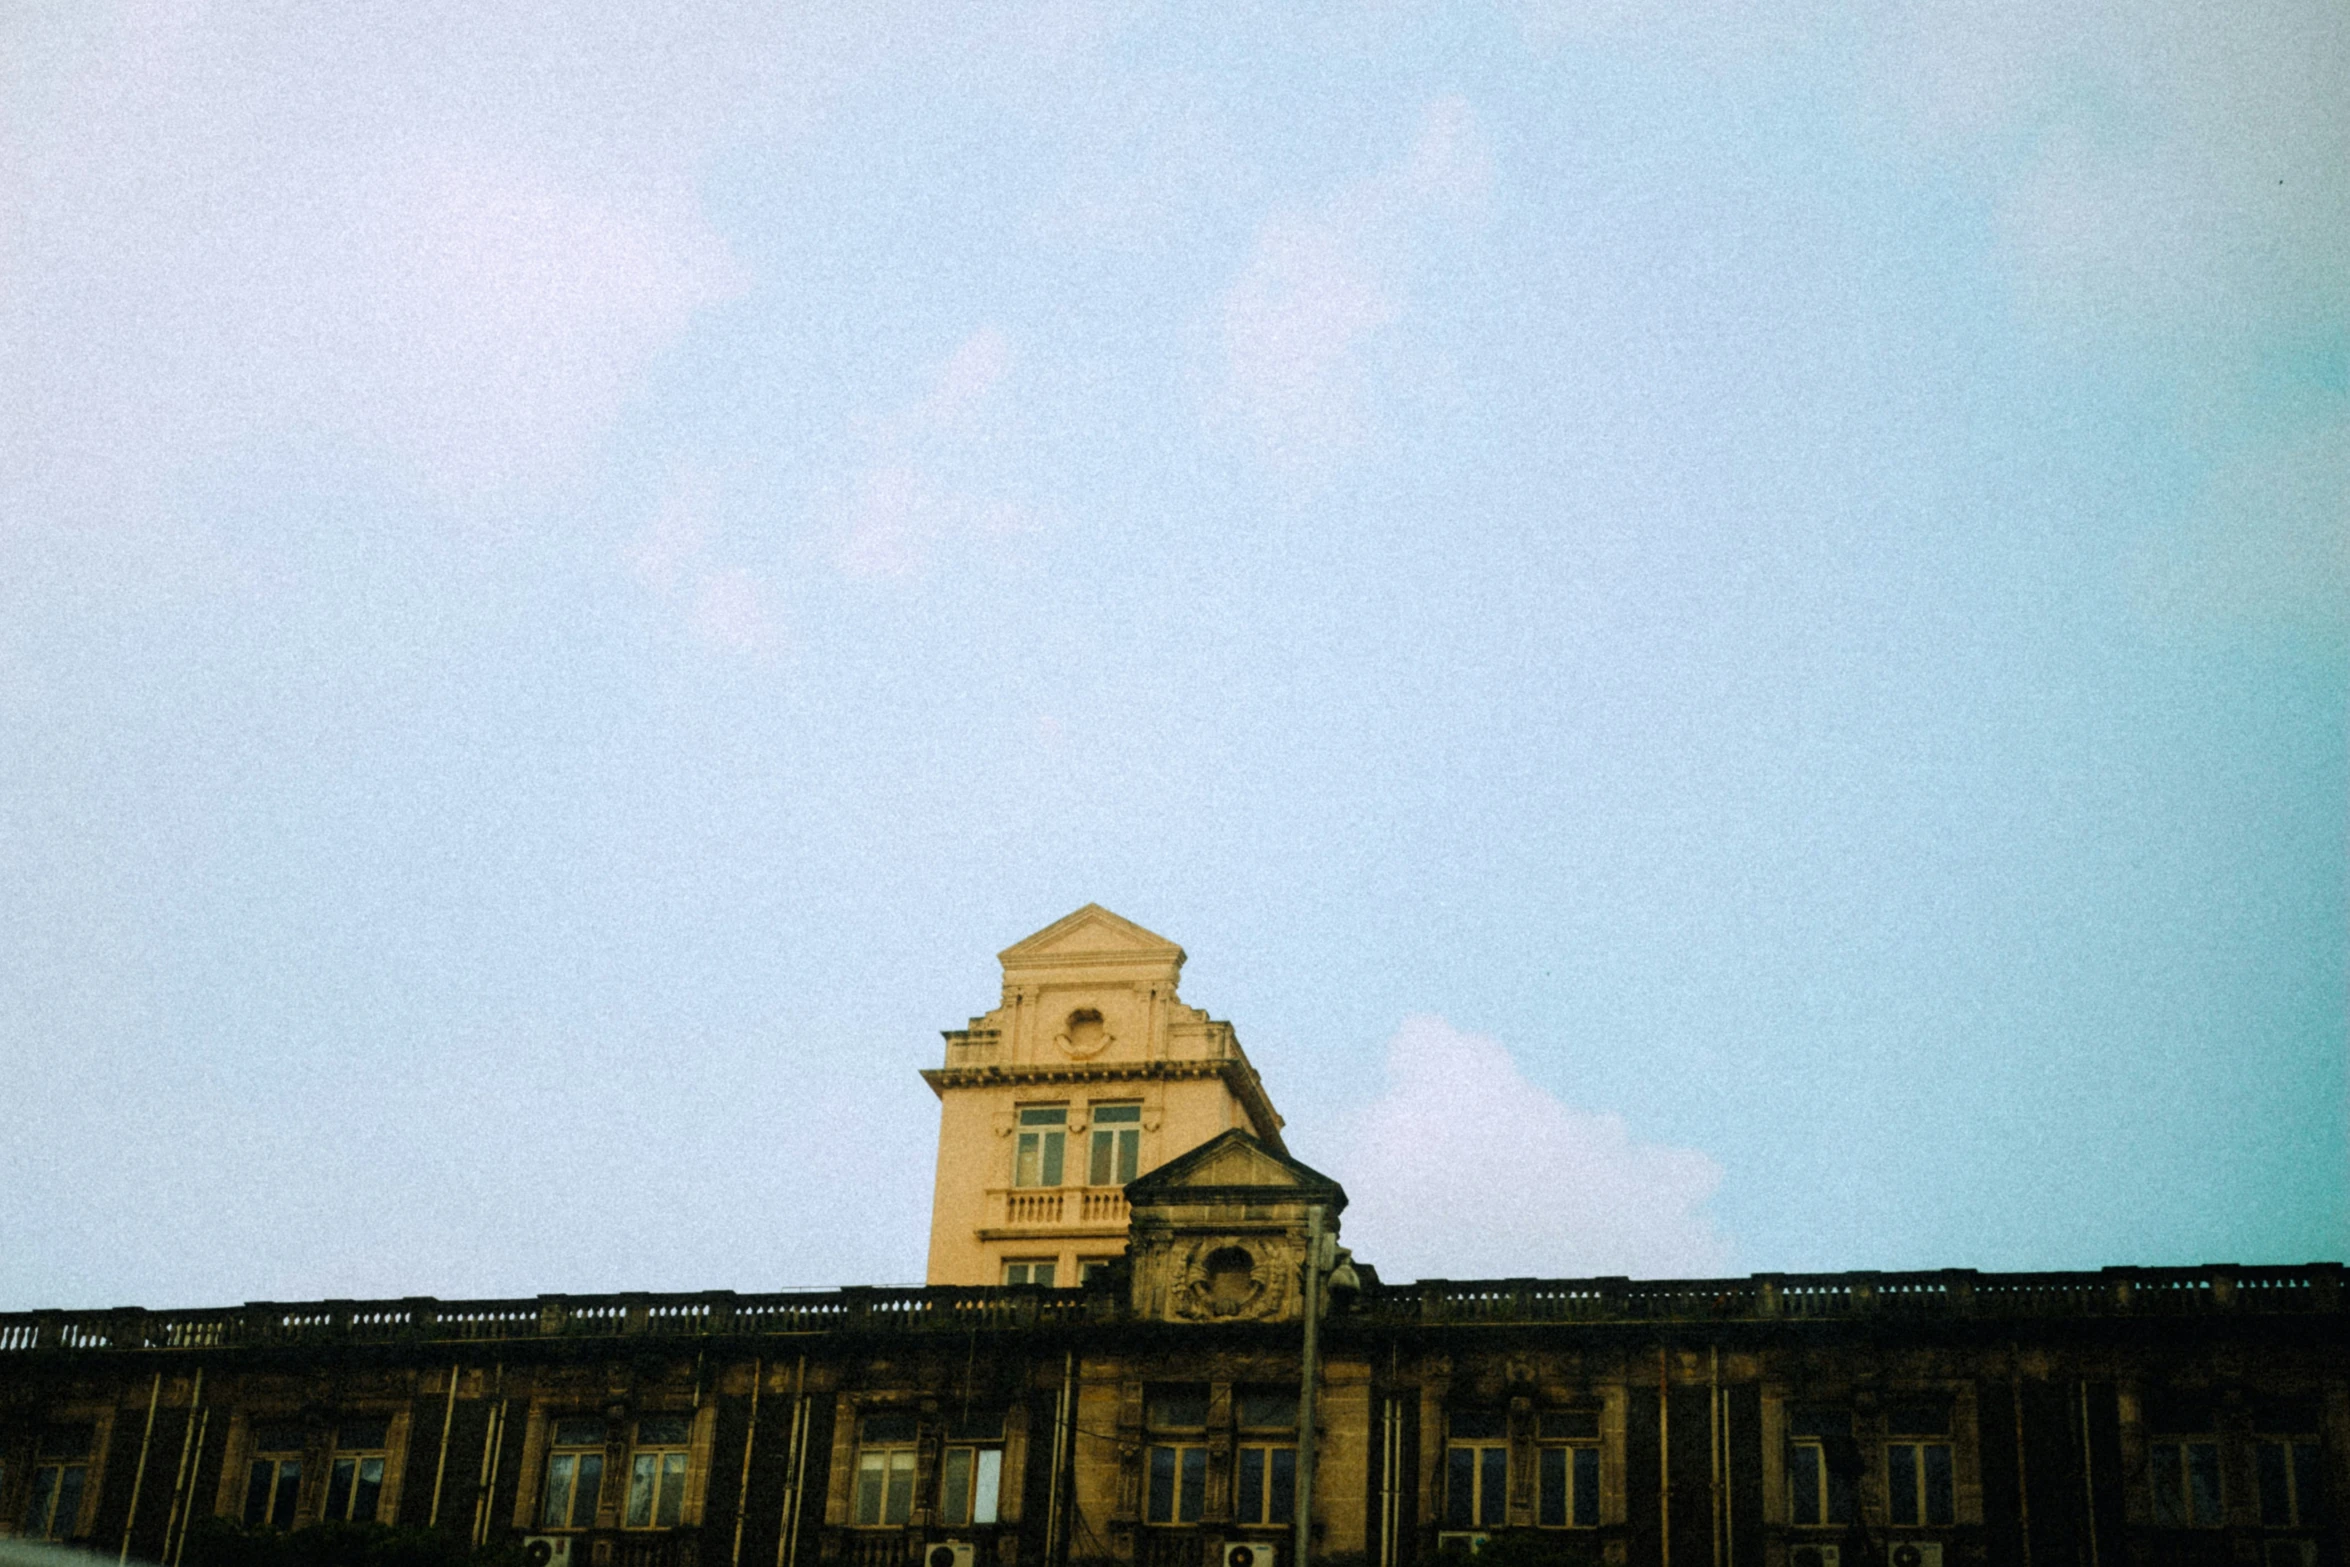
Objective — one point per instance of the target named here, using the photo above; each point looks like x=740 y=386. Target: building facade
x=1153 y=1412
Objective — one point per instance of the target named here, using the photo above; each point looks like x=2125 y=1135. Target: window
x=1117 y=1144
x=61 y=1471
x=1092 y=1268
x=1821 y=1466
x=1178 y=1475
x=2292 y=1486
x=1917 y=1473
x=972 y=1475
x=575 y=1474
x=2185 y=1475
x=273 y=1480
x=656 y=1472
x=885 y=1471
x=355 y=1479
x=1266 y=1484
x=1043 y=1140
x=1030 y=1270
x=1567 y=1470
x=1476 y=1470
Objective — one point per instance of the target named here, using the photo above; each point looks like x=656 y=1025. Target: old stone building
x=1157 y=1408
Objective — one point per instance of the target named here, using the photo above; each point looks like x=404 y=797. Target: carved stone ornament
x=1084 y=1037
x=1228 y=1281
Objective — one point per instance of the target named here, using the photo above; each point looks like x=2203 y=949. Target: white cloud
x=915 y=490
x=1463 y=1168
x=447 y=244
x=1319 y=285
x=726 y=607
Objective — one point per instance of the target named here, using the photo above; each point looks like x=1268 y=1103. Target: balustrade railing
x=2115 y=1292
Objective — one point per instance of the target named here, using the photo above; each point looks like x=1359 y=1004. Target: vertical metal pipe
x=2088 y=1474
x=1664 y=1458
x=448 y=1415
x=1729 y=1489
x=139 y=1475
x=1309 y=1384
x=2023 y=1490
x=742 y=1496
x=179 y=1481
x=1061 y=1419
x=1713 y=1447
x=195 y=1478
x=799 y=1484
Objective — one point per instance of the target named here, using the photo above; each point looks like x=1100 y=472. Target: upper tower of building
x=1088 y=1073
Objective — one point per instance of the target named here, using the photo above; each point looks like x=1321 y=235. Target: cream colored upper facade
x=1089 y=1073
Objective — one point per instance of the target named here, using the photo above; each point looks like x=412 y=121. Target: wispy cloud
x=724 y=606
x=1320 y=284
x=915 y=490
x=1463 y=1168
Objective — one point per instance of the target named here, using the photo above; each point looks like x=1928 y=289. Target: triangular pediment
x=1230 y=1162
x=1093 y=932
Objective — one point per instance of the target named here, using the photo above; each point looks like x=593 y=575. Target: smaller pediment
x=1233 y=1165
x=1093 y=932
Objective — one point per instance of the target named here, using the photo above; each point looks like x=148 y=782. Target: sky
x=1723 y=628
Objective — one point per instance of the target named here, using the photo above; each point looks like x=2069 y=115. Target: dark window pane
x=258 y=1480
x=1052 y=1158
x=68 y=1512
x=2287 y=1415
x=1195 y=1483
x=1252 y=1485
x=1460 y=1487
x=370 y=1487
x=1941 y=1505
x=1550 y=1506
x=36 y=1513
x=1840 y=1478
x=584 y=1492
x=977 y=1425
x=2276 y=1493
x=871 y=1472
x=662 y=1431
x=2203 y=1481
x=338 y=1487
x=1045 y=1115
x=362 y=1436
x=1586 y=1487
x=1476 y=1424
x=1493 y=1486
x=1901 y=1482
x=1024 y=1163
x=1162 y=1498
x=672 y=1507
x=1918 y=1418
x=1129 y=1155
x=579 y=1433
x=2309 y=1487
x=1179 y=1408
x=2169 y=1500
x=71 y=1441
x=277 y=1439
x=1803 y=1480
x=1282 y=1507
x=887 y=1428
x=640 y=1492
x=557 y=1511
x=289 y=1491
x=956 y=1486
x=1105 y=1159
x=1571 y=1423
x=1268 y=1409
x=1806 y=1420
x=1111 y=1115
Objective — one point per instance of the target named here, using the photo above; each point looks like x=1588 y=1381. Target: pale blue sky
x=1723 y=628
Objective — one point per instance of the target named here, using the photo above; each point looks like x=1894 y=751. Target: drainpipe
x=139 y=1475
x=1309 y=1384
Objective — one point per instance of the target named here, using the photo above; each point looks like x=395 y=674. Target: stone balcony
x=1036 y=1211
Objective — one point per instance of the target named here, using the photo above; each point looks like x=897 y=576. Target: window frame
x=2301 y=1510
x=1921 y=1491
x=666 y=1483
x=66 y=1493
x=357 y=1458
x=576 y=1448
x=1484 y=1459
x=890 y=1459
x=1040 y=1146
x=1186 y=1480
x=2177 y=1507
x=1113 y=1142
x=1040 y=1271
x=281 y=1498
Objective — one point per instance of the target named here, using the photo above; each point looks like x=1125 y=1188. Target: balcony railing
x=2315 y=1288
x=1056 y=1208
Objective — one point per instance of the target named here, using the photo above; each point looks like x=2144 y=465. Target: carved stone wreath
x=1223 y=1281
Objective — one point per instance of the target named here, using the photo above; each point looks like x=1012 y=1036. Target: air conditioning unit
x=948 y=1553
x=1816 y=1556
x=547 y=1550
x=2291 y=1553
x=1251 y=1553
x=1461 y=1540
x=1917 y=1553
